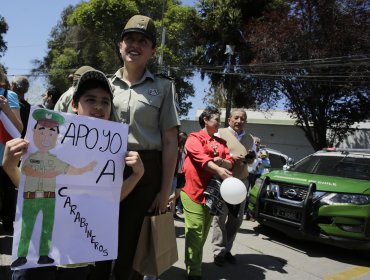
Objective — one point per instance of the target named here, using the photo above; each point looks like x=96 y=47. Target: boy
x=92 y=97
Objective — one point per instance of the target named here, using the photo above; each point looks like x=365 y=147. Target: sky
x=30 y=23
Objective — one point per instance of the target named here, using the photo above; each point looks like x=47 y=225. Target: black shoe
x=45 y=260
x=176 y=217
x=194 y=277
x=230 y=258
x=219 y=260
x=8 y=228
x=249 y=217
x=18 y=262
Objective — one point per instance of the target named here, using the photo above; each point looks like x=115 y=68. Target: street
x=262 y=253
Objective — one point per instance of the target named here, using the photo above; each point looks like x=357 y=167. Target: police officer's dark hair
x=208 y=113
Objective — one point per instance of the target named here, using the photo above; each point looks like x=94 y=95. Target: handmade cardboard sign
x=69 y=192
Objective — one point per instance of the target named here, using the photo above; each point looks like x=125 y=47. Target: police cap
x=47 y=118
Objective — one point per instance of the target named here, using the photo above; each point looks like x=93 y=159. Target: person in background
x=227 y=224
x=253 y=174
x=206 y=156
x=263 y=162
x=253 y=167
x=179 y=179
x=257 y=144
x=51 y=97
x=64 y=104
x=92 y=97
x=9 y=104
x=20 y=86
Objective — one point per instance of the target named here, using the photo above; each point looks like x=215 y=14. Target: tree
x=3 y=30
x=311 y=53
x=222 y=48
x=89 y=34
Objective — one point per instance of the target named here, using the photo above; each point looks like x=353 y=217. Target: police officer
x=146 y=102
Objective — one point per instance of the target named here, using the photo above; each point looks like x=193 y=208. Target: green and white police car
x=324 y=197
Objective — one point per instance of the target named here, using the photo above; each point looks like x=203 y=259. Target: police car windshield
x=341 y=166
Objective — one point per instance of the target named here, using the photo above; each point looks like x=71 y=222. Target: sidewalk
x=210 y=270
x=177 y=271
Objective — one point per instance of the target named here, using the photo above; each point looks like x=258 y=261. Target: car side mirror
x=289 y=164
x=290 y=161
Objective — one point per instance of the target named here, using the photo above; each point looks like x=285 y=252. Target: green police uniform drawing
x=41 y=169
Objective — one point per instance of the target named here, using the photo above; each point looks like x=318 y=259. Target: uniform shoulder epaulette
x=164 y=76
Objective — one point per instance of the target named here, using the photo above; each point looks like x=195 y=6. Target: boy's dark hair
x=208 y=113
x=90 y=80
x=92 y=84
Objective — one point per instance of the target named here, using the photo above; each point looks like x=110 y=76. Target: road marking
x=349 y=274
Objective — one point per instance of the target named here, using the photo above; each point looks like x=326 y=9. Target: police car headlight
x=272 y=190
x=317 y=195
x=341 y=198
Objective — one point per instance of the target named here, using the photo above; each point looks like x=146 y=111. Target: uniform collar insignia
x=153 y=92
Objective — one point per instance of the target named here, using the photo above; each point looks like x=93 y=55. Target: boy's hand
x=13 y=151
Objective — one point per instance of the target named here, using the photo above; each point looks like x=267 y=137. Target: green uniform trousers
x=197 y=224
x=31 y=207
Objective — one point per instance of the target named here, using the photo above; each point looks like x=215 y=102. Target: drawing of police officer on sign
x=41 y=169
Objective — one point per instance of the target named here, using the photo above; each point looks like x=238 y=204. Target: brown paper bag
x=157 y=249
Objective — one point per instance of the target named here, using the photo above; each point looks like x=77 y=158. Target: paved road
x=262 y=254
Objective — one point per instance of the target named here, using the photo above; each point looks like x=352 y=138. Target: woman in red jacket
x=206 y=156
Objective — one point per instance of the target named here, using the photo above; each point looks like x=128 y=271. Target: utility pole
x=163 y=40
x=230 y=52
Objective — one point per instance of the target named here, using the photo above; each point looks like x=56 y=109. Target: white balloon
x=233 y=190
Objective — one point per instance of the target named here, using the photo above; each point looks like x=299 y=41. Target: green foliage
x=3 y=30
x=326 y=86
x=104 y=19
x=65 y=60
x=222 y=24
x=93 y=30
x=282 y=50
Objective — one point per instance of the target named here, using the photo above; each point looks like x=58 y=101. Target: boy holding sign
x=92 y=97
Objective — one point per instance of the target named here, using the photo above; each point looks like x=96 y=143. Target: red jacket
x=201 y=148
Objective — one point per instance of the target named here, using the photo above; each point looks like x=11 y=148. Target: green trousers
x=31 y=207
x=197 y=224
